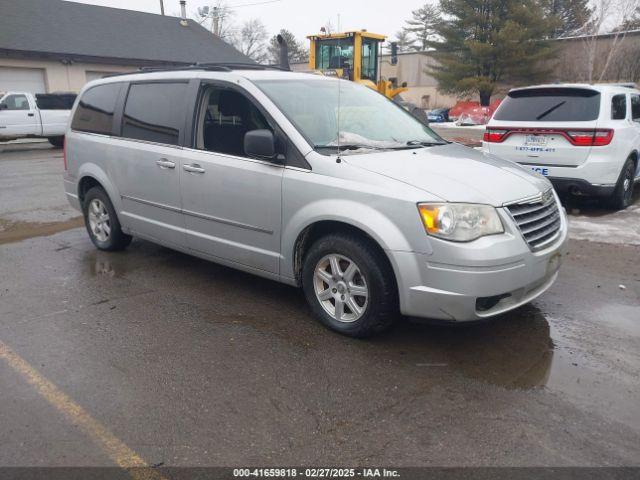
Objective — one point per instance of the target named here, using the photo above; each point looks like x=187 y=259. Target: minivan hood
x=455 y=173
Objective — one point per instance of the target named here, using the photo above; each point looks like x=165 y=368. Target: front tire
x=623 y=193
x=102 y=222
x=349 y=285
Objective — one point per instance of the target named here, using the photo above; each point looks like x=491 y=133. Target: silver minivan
x=315 y=182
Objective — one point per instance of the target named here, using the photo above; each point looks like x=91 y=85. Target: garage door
x=22 y=80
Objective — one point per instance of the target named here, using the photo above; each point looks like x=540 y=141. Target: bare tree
x=252 y=40
x=217 y=17
x=404 y=40
x=606 y=17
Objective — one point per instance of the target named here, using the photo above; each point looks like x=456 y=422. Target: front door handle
x=30 y=114
x=164 y=163
x=193 y=168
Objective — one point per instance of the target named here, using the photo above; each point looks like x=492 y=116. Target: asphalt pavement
x=152 y=356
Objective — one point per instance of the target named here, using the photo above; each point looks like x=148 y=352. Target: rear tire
x=57 y=142
x=347 y=276
x=623 y=193
x=102 y=222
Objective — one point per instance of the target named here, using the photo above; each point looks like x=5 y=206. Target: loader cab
x=350 y=55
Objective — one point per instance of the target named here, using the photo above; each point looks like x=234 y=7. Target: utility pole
x=162 y=7
x=216 y=22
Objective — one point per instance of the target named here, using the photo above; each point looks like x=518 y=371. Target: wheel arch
x=91 y=175
x=320 y=228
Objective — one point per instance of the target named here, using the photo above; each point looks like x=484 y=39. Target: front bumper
x=462 y=282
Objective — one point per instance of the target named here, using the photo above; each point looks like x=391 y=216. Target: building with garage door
x=57 y=45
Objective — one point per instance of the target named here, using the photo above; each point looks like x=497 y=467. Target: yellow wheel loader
x=353 y=56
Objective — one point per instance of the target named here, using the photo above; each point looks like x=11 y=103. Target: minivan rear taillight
x=494 y=135
x=64 y=152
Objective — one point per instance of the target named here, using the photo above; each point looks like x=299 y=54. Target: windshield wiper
x=421 y=143
x=349 y=146
x=547 y=112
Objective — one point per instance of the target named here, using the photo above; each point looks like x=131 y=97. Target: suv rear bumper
x=580 y=186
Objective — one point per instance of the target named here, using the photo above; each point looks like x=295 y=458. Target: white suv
x=585 y=138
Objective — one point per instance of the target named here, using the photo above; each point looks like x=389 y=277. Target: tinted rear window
x=155 y=112
x=96 y=108
x=55 y=101
x=550 y=105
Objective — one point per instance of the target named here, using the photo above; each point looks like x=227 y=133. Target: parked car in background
x=438 y=115
x=323 y=185
x=24 y=115
x=584 y=138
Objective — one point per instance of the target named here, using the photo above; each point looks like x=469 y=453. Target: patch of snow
x=612 y=227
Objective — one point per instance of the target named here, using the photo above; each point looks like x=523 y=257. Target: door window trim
x=125 y=97
x=192 y=129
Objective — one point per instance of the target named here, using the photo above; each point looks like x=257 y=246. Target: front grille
x=538 y=220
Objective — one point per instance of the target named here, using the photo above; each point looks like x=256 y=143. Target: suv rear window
x=550 y=105
x=96 y=108
x=155 y=112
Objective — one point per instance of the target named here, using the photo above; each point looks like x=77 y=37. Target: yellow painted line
x=121 y=454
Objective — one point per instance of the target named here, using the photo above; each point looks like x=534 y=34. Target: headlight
x=459 y=222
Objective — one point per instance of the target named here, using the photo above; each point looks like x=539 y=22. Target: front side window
x=225 y=116
x=155 y=112
x=550 y=105
x=96 y=108
x=334 y=114
x=16 y=102
x=635 y=107
x=619 y=107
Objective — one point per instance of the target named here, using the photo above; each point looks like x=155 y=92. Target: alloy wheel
x=341 y=288
x=99 y=221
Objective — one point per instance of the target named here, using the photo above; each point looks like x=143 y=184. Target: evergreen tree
x=488 y=42
x=569 y=15
x=421 y=26
x=298 y=52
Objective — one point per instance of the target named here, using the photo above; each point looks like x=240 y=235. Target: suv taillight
x=590 y=138
x=494 y=135
x=64 y=152
x=581 y=138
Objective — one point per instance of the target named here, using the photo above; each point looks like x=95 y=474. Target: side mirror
x=3 y=106
x=260 y=144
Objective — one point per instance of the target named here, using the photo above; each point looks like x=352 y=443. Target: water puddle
x=11 y=232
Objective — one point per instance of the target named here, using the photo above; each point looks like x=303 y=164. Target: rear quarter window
x=550 y=105
x=96 y=108
x=619 y=107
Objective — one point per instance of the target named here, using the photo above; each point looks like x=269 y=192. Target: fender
x=377 y=225
x=92 y=170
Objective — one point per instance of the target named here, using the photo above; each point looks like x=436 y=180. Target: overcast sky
x=302 y=17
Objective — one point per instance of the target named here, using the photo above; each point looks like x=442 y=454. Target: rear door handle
x=164 y=163
x=193 y=168
x=30 y=114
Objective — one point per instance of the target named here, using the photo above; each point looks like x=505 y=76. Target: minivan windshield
x=365 y=119
x=555 y=104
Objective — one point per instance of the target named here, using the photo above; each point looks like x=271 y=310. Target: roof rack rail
x=213 y=67
x=240 y=66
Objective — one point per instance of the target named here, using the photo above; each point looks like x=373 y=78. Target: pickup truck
x=25 y=115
